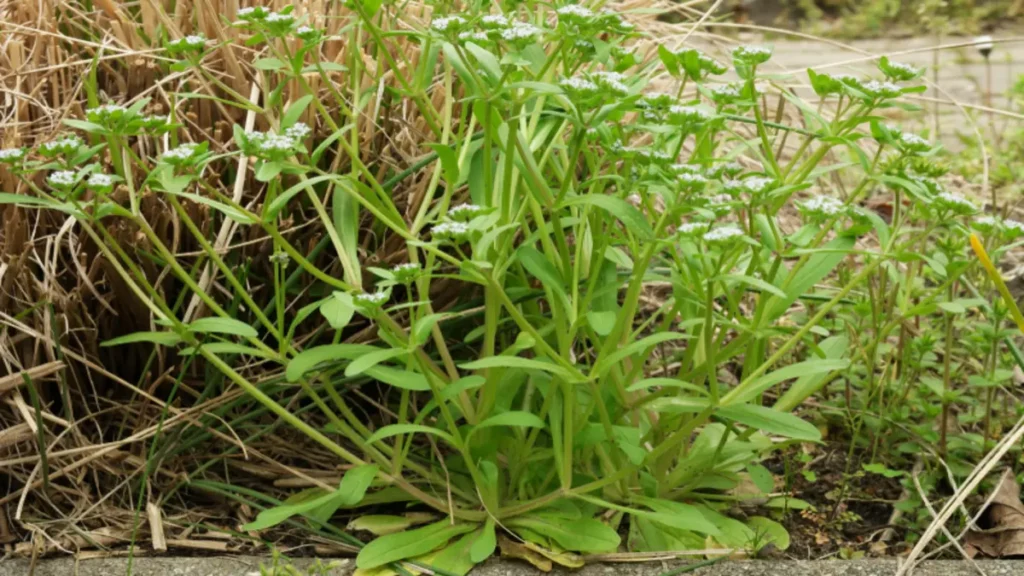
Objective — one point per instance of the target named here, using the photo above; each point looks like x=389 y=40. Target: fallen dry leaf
x=1001 y=526
x=512 y=549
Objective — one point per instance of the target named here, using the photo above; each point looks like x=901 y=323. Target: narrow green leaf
x=396 y=429
x=371 y=359
x=268 y=64
x=511 y=362
x=770 y=421
x=604 y=364
x=349 y=493
x=409 y=544
x=295 y=111
x=313 y=357
x=449 y=163
x=755 y=283
x=513 y=418
x=747 y=391
x=584 y=535
x=834 y=348
x=648 y=383
x=158 y=338
x=631 y=218
x=217 y=325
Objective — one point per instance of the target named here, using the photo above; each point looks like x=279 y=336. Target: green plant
x=557 y=187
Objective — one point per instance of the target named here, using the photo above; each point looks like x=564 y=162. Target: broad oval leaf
x=349 y=493
x=584 y=535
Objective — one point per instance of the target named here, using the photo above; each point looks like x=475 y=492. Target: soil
x=851 y=513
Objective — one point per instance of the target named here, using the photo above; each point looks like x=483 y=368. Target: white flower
x=298 y=131
x=824 y=205
x=370 y=299
x=914 y=141
x=881 y=89
x=756 y=53
x=520 y=31
x=278 y=18
x=277 y=143
x=405 y=266
x=575 y=10
x=154 y=120
x=723 y=233
x=465 y=211
x=685 y=169
x=905 y=68
x=450 y=229
x=62 y=178
x=191 y=41
x=304 y=30
x=692 y=180
x=612 y=81
x=11 y=154
x=247 y=11
x=474 y=36
x=447 y=23
x=98 y=180
x=727 y=91
x=577 y=84
x=495 y=21
x=755 y=185
x=183 y=152
x=733 y=187
x=954 y=200
x=691 y=228
x=689 y=113
x=1014 y=225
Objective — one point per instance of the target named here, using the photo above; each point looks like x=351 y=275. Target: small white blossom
x=467 y=211
x=723 y=233
x=298 y=131
x=370 y=299
x=62 y=178
x=11 y=154
x=756 y=185
x=954 y=202
x=575 y=10
x=905 y=68
x=450 y=229
x=277 y=143
x=1014 y=226
x=613 y=81
x=191 y=41
x=405 y=266
x=690 y=180
x=183 y=152
x=447 y=23
x=692 y=228
x=98 y=180
x=69 y=142
x=520 y=31
x=689 y=113
x=757 y=54
x=247 y=11
x=914 y=141
x=685 y=169
x=494 y=20
x=473 y=36
x=728 y=91
x=824 y=205
x=881 y=89
x=577 y=84
x=278 y=18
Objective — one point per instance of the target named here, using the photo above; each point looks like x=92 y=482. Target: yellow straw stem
x=997 y=278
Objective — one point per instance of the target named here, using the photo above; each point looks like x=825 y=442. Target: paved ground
x=248 y=566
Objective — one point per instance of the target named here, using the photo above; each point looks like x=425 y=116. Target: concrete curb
x=249 y=566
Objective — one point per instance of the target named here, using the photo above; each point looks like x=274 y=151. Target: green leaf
x=488 y=62
x=512 y=362
x=268 y=64
x=396 y=429
x=367 y=361
x=761 y=477
x=227 y=348
x=755 y=283
x=409 y=544
x=338 y=310
x=400 y=378
x=630 y=217
x=268 y=171
x=786 y=503
x=602 y=322
x=768 y=531
x=834 y=348
x=217 y=325
x=312 y=357
x=641 y=345
x=423 y=326
x=583 y=535
x=453 y=559
x=770 y=421
x=158 y=338
x=295 y=111
x=542 y=269
x=449 y=163
x=349 y=493
x=484 y=545
x=512 y=418
x=817 y=267
x=747 y=391
x=22 y=200
x=649 y=383
x=462 y=384
x=952 y=307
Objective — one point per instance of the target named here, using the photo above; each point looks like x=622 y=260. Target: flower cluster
x=12 y=155
x=953 y=203
x=275 y=24
x=751 y=55
x=63 y=146
x=275 y=147
x=723 y=234
x=898 y=71
x=697 y=65
x=370 y=300
x=100 y=182
x=457 y=231
x=822 y=208
x=62 y=179
x=407 y=272
x=465 y=212
x=187 y=45
x=183 y=155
